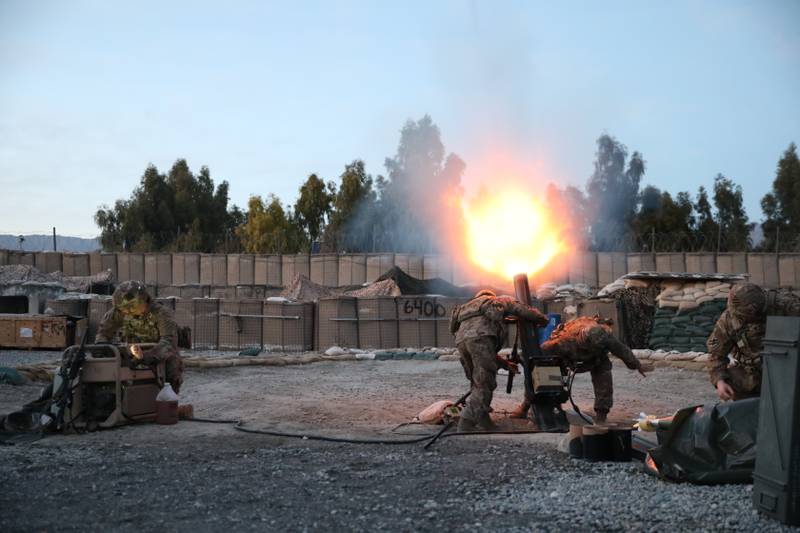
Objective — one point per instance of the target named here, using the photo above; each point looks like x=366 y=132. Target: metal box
x=776 y=488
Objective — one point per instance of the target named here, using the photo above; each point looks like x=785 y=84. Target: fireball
x=511 y=232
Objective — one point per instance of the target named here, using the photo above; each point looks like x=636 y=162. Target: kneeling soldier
x=140 y=319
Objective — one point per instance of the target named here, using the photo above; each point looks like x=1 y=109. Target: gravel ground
x=204 y=477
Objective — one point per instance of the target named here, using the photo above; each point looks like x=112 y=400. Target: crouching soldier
x=140 y=319
x=584 y=344
x=739 y=331
x=479 y=329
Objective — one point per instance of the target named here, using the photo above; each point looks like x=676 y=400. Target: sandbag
x=434 y=413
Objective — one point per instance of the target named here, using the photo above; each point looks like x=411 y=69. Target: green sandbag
x=10 y=376
x=699 y=348
x=680 y=340
x=662 y=331
x=426 y=356
x=696 y=331
x=699 y=340
x=402 y=356
x=664 y=312
x=663 y=319
x=683 y=319
x=384 y=356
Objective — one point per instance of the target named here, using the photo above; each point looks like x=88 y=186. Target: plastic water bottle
x=167 y=406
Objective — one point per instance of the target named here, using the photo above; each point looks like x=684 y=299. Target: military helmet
x=485 y=292
x=129 y=293
x=747 y=301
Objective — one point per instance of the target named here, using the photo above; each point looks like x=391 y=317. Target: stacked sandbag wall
x=686 y=315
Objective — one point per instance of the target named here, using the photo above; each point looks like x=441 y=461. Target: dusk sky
x=266 y=93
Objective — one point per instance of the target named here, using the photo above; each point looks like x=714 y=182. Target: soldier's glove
x=511 y=366
x=645 y=367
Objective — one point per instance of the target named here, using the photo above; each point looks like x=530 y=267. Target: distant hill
x=38 y=243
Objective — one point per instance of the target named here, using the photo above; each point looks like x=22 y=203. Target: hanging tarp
x=412 y=285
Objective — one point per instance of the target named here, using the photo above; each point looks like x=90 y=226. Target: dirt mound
x=15 y=274
x=302 y=289
x=18 y=274
x=387 y=287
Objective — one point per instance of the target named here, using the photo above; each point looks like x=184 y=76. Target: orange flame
x=510 y=232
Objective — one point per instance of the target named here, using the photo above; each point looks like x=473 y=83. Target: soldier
x=584 y=344
x=140 y=319
x=739 y=331
x=480 y=330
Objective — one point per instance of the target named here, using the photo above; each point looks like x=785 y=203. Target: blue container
x=545 y=332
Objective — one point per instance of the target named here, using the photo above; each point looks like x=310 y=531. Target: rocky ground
x=209 y=477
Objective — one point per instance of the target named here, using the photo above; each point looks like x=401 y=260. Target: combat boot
x=466 y=426
x=486 y=424
x=600 y=416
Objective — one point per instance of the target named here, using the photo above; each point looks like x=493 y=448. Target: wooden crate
x=39 y=331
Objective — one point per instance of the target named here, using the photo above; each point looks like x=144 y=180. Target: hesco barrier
x=437 y=266
x=205 y=334
x=352 y=270
x=377 y=264
x=377 y=322
x=410 y=263
x=701 y=263
x=74 y=307
x=288 y=326
x=325 y=269
x=98 y=307
x=641 y=262
x=583 y=268
x=337 y=323
x=763 y=269
x=789 y=270
x=670 y=262
x=292 y=265
x=240 y=324
x=76 y=265
x=417 y=319
x=594 y=269
x=610 y=267
x=732 y=263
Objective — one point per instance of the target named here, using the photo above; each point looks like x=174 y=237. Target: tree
x=731 y=217
x=352 y=219
x=613 y=192
x=269 y=228
x=420 y=200
x=664 y=223
x=706 y=228
x=781 y=206
x=174 y=212
x=314 y=206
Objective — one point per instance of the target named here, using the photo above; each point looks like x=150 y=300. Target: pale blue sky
x=266 y=93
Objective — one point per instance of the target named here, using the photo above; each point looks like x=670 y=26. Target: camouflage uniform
x=480 y=330
x=156 y=325
x=584 y=344
x=740 y=333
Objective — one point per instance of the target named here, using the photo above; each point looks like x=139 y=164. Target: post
x=777 y=239
x=54 y=239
